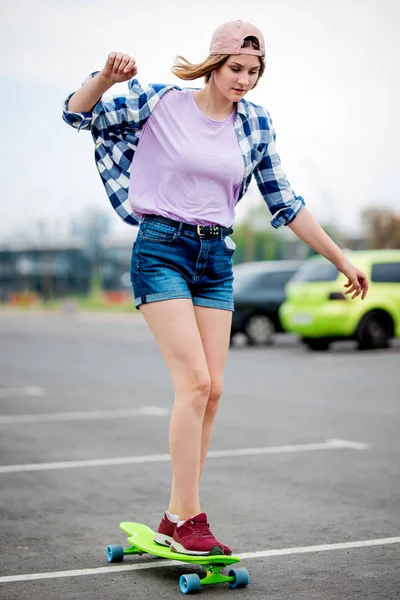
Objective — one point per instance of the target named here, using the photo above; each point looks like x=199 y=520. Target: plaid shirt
x=116 y=125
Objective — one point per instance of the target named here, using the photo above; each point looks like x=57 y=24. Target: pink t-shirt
x=186 y=167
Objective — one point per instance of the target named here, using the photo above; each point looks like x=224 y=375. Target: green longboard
x=141 y=540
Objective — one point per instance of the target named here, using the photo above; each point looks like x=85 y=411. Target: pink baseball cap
x=228 y=39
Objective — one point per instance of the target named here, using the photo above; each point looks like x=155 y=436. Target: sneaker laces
x=202 y=529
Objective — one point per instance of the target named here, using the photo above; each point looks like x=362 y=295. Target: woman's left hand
x=357 y=281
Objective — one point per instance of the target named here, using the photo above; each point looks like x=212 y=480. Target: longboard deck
x=142 y=537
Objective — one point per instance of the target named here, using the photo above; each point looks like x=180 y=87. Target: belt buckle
x=214 y=230
x=210 y=230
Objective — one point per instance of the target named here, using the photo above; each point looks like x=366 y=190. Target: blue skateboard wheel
x=115 y=553
x=241 y=578
x=189 y=584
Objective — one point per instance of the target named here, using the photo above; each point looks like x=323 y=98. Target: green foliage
x=96 y=284
x=256 y=239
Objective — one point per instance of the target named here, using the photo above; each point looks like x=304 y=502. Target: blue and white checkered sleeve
x=128 y=110
x=281 y=200
x=81 y=120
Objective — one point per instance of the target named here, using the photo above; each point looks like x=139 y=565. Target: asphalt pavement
x=303 y=478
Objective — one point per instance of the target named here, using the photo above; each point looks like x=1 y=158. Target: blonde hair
x=188 y=71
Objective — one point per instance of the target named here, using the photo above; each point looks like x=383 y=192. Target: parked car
x=258 y=292
x=318 y=310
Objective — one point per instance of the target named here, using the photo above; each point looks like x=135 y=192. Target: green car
x=317 y=309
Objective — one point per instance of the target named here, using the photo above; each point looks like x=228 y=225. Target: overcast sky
x=332 y=87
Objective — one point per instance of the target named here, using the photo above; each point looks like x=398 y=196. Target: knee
x=200 y=386
x=214 y=395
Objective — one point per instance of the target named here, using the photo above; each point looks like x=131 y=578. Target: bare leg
x=175 y=329
x=214 y=327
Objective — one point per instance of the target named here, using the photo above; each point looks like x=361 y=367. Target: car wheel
x=374 y=331
x=317 y=344
x=259 y=330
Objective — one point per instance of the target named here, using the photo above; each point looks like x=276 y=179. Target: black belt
x=201 y=230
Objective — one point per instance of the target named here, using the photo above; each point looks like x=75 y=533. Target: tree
x=383 y=227
x=255 y=238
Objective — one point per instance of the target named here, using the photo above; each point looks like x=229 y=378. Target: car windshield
x=244 y=279
x=316 y=271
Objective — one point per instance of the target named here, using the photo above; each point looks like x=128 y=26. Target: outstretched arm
x=307 y=229
x=118 y=68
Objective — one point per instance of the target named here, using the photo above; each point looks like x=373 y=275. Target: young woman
x=176 y=162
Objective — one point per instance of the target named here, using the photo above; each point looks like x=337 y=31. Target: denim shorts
x=169 y=262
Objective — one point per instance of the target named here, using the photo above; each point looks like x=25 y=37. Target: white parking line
x=23 y=391
x=334 y=444
x=115 y=413
x=169 y=563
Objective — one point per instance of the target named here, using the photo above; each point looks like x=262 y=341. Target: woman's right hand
x=118 y=68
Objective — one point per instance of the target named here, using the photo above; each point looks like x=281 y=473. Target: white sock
x=173 y=518
x=182 y=522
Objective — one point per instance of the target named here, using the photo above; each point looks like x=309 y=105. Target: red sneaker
x=165 y=532
x=194 y=537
